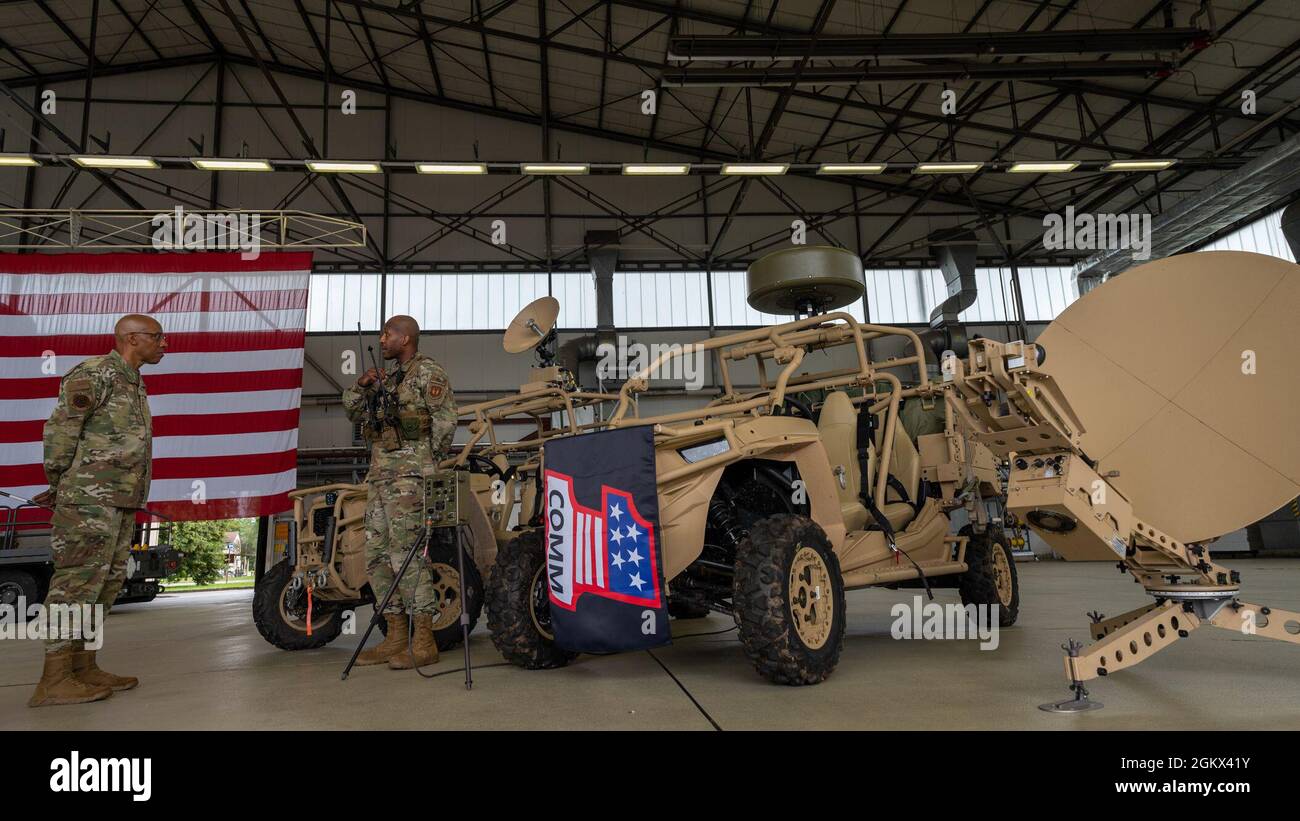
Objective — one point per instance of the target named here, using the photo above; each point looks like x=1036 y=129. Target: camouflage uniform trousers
x=394 y=520
x=91 y=546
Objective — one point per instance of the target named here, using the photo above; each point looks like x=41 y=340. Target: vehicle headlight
x=702 y=451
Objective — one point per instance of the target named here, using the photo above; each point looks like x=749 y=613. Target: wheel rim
x=446 y=581
x=293 y=611
x=1002 y=574
x=9 y=593
x=811 y=604
x=539 y=605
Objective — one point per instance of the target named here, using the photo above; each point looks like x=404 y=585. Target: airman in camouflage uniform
x=98 y=460
x=415 y=435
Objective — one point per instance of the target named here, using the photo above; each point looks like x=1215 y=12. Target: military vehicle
x=775 y=501
x=302 y=601
x=27 y=560
x=324 y=571
x=1142 y=427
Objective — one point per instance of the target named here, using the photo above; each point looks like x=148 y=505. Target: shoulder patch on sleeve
x=80 y=393
x=437 y=384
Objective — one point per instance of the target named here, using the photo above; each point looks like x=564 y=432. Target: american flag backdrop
x=224 y=399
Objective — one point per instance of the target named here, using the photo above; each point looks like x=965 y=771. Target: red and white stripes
x=589 y=549
x=224 y=399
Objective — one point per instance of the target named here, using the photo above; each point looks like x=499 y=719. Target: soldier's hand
x=368 y=378
x=45 y=497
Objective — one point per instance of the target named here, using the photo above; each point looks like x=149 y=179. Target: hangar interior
x=486 y=148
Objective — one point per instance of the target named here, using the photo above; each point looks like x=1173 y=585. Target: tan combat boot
x=60 y=685
x=85 y=668
x=394 y=642
x=426 y=649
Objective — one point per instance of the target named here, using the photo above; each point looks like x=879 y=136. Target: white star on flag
x=632 y=532
x=616 y=512
x=634 y=557
x=616 y=535
x=637 y=581
x=617 y=561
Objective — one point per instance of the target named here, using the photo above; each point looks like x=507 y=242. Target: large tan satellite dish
x=1184 y=373
x=531 y=325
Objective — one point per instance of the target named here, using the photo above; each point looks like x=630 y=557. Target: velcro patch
x=437 y=387
x=81 y=396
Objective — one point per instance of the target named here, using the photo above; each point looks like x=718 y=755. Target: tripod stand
x=380 y=607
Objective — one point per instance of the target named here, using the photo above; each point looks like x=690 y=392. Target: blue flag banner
x=603 y=549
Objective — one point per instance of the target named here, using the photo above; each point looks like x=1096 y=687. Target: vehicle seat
x=483 y=486
x=527 y=498
x=905 y=466
x=838 y=426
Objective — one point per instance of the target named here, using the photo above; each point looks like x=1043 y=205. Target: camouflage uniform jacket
x=99 y=440
x=426 y=411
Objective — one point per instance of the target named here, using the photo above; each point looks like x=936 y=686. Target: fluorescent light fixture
x=754 y=168
x=851 y=168
x=1138 y=165
x=947 y=167
x=651 y=169
x=451 y=167
x=105 y=161
x=219 y=164
x=554 y=168
x=343 y=167
x=17 y=159
x=1051 y=167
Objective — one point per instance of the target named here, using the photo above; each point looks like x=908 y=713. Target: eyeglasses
x=158 y=336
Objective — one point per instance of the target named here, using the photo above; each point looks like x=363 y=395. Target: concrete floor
x=203 y=666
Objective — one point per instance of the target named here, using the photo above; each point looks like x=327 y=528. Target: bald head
x=400 y=338
x=135 y=323
x=139 y=339
x=403 y=324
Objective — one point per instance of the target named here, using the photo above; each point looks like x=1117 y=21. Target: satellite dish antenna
x=1183 y=373
x=534 y=328
x=807 y=280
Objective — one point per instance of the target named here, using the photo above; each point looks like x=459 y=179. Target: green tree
x=247 y=530
x=204 y=546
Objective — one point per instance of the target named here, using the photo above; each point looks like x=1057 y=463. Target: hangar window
x=445 y=302
x=577 y=295
x=661 y=299
x=1047 y=291
x=653 y=299
x=1263 y=236
x=462 y=302
x=337 y=302
x=896 y=296
x=906 y=296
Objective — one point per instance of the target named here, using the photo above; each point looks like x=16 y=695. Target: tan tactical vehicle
x=324 y=572
x=325 y=566
x=775 y=501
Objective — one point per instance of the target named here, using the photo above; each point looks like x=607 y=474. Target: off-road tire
x=327 y=622
x=513 y=622
x=979 y=584
x=18 y=583
x=763 y=593
x=679 y=609
x=450 y=635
